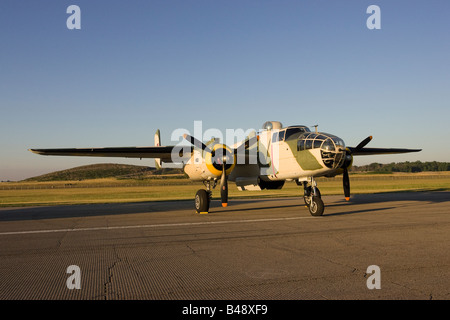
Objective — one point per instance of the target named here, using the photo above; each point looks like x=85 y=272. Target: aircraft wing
x=163 y=153
x=372 y=151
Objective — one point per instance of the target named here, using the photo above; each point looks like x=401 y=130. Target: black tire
x=202 y=201
x=316 y=207
x=318 y=193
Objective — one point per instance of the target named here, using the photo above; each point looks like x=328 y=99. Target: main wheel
x=316 y=206
x=202 y=201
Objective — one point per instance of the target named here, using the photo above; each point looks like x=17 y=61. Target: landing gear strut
x=203 y=197
x=313 y=198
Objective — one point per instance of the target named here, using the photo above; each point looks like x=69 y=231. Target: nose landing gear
x=312 y=198
x=316 y=206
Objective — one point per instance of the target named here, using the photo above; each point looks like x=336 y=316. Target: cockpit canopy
x=332 y=148
x=289 y=132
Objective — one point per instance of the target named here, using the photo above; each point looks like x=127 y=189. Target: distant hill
x=126 y=171
x=106 y=170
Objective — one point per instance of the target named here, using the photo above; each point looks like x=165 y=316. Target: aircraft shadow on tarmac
x=306 y=211
x=387 y=197
x=74 y=211
x=436 y=196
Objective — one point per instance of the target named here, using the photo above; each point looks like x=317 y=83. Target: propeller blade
x=363 y=143
x=224 y=187
x=347 y=163
x=248 y=142
x=346 y=184
x=197 y=143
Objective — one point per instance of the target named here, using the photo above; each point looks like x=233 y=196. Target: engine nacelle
x=255 y=183
x=271 y=185
x=208 y=165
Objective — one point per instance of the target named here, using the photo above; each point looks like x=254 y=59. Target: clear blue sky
x=136 y=66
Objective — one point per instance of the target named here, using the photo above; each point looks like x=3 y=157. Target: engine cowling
x=219 y=160
x=220 y=154
x=208 y=165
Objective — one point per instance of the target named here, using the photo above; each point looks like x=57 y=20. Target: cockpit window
x=281 y=135
x=338 y=141
x=328 y=145
x=308 y=144
x=301 y=145
x=275 y=137
x=317 y=143
x=291 y=131
x=278 y=136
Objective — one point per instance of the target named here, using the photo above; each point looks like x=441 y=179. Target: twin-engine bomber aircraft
x=261 y=161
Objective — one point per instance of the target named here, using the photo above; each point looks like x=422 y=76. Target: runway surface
x=254 y=249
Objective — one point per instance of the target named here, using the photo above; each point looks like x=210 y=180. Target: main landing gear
x=203 y=197
x=312 y=198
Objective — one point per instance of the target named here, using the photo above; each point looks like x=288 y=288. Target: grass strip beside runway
x=13 y=194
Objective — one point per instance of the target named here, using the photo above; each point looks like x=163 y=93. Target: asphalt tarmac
x=255 y=249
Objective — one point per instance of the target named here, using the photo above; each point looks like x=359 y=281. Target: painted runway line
x=186 y=224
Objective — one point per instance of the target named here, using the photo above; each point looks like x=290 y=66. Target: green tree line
x=407 y=166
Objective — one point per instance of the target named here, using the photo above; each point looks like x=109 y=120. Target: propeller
x=363 y=143
x=221 y=158
x=346 y=184
x=197 y=143
x=346 y=164
x=224 y=187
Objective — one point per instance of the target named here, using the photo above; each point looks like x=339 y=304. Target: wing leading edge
x=163 y=153
x=374 y=151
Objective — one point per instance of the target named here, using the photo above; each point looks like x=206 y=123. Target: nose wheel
x=316 y=206
x=313 y=198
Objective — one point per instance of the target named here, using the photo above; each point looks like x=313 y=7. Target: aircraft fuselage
x=291 y=153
